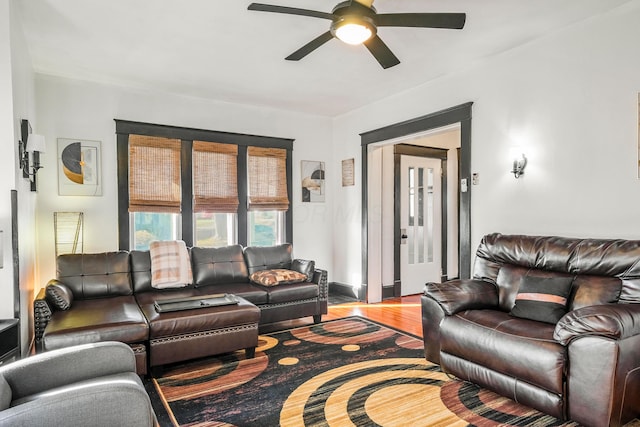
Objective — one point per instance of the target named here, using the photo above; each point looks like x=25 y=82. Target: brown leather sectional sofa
x=584 y=367
x=113 y=300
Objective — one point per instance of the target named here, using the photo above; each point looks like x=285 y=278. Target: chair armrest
x=615 y=321
x=459 y=295
x=115 y=400
x=68 y=365
x=41 y=315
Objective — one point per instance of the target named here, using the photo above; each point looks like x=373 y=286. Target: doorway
x=372 y=255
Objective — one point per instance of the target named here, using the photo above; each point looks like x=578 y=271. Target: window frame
x=187 y=135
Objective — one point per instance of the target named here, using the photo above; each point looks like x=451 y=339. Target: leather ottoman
x=175 y=336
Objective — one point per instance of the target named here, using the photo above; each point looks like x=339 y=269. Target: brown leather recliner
x=584 y=367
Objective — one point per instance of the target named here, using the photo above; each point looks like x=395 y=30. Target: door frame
x=400 y=150
x=459 y=114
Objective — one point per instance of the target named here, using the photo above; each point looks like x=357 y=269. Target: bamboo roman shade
x=154 y=174
x=267 y=169
x=215 y=177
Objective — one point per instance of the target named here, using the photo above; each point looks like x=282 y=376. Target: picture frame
x=79 y=167
x=348 y=172
x=312 y=181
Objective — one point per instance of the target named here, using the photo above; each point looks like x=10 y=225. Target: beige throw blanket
x=170 y=264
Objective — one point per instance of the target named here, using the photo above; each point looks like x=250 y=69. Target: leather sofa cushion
x=268 y=257
x=294 y=292
x=594 y=290
x=218 y=265
x=519 y=348
x=95 y=275
x=173 y=323
x=141 y=271
x=304 y=266
x=96 y=320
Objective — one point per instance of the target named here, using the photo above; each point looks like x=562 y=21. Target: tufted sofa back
x=603 y=271
x=95 y=275
x=268 y=257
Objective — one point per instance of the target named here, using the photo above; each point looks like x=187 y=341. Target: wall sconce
x=35 y=144
x=519 y=163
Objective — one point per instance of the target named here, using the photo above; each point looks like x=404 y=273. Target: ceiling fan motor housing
x=352 y=12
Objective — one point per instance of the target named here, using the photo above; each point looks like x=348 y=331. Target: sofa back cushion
x=95 y=275
x=141 y=271
x=268 y=257
x=604 y=271
x=213 y=266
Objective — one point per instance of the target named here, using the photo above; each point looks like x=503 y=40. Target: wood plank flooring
x=401 y=313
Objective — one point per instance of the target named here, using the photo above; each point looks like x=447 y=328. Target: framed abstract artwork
x=79 y=167
x=312 y=181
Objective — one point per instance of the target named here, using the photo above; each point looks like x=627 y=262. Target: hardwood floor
x=401 y=313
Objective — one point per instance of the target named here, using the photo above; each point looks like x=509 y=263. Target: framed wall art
x=348 y=172
x=312 y=181
x=79 y=167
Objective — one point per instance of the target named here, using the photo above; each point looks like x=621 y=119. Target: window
x=194 y=185
x=215 y=193
x=154 y=198
x=268 y=197
x=149 y=226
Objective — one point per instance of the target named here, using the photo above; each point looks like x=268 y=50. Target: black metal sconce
x=36 y=145
x=519 y=163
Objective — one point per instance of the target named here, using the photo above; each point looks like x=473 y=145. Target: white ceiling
x=218 y=49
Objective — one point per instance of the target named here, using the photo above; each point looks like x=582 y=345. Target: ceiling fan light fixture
x=353 y=31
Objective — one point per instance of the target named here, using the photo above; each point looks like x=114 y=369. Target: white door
x=420 y=222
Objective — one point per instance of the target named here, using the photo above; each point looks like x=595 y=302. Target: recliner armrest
x=615 y=321
x=65 y=366
x=465 y=294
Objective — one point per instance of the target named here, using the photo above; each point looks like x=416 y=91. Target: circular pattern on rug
x=288 y=361
x=350 y=347
x=265 y=343
x=210 y=376
x=482 y=407
x=409 y=343
x=351 y=331
x=371 y=393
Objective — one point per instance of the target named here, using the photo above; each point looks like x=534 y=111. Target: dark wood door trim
x=458 y=114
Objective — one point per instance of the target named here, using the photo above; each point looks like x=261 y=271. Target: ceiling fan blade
x=425 y=20
x=290 y=10
x=310 y=47
x=381 y=52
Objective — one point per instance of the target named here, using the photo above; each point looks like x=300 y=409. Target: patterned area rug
x=348 y=372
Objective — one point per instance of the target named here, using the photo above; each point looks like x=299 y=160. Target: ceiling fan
x=357 y=22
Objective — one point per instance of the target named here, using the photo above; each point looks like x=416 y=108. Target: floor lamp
x=68 y=231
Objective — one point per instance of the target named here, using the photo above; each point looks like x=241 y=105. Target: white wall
x=7 y=162
x=75 y=109
x=16 y=102
x=569 y=99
